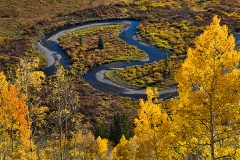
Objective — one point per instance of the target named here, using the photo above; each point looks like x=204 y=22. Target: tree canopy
x=209 y=93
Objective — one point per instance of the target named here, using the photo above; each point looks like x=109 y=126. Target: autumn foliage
x=15 y=126
x=40 y=117
x=209 y=94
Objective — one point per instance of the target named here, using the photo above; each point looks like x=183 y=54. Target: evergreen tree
x=166 y=59
x=169 y=72
x=164 y=73
x=100 y=130
x=100 y=43
x=80 y=40
x=120 y=126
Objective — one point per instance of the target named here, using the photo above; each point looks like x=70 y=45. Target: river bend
x=48 y=45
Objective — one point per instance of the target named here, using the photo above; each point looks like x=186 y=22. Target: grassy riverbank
x=153 y=74
x=86 y=54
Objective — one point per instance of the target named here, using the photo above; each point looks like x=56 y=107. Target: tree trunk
x=212 y=134
x=60 y=138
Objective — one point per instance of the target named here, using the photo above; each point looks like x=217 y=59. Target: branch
x=227 y=155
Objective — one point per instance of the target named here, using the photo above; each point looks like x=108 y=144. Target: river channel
x=48 y=45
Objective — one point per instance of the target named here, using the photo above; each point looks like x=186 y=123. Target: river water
x=50 y=48
x=154 y=54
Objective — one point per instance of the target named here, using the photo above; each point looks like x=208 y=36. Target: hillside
x=60 y=116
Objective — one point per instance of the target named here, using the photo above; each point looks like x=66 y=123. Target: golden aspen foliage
x=133 y=146
x=15 y=127
x=50 y=151
x=102 y=148
x=3 y=82
x=63 y=99
x=153 y=130
x=209 y=94
x=122 y=150
x=126 y=149
x=152 y=93
x=30 y=82
x=27 y=76
x=82 y=146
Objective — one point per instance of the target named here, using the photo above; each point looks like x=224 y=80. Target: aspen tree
x=83 y=146
x=29 y=80
x=63 y=100
x=126 y=149
x=102 y=148
x=155 y=138
x=14 y=125
x=209 y=94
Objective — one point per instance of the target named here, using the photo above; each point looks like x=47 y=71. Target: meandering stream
x=96 y=78
x=48 y=45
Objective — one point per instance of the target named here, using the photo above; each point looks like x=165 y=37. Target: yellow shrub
x=157 y=4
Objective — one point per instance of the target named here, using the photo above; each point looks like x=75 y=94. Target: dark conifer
x=100 y=130
x=166 y=60
x=164 y=73
x=120 y=126
x=100 y=43
x=80 y=40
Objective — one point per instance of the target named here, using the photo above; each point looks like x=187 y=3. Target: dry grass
x=15 y=14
